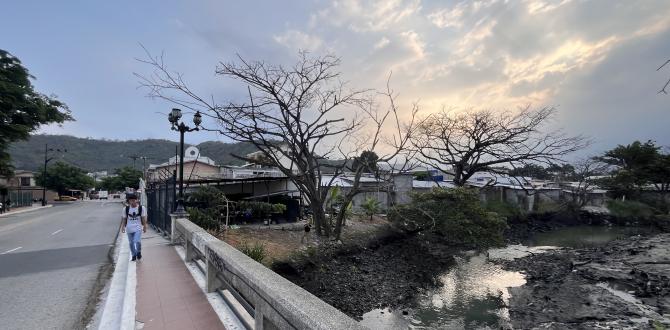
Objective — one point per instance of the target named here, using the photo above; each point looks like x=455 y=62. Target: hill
x=107 y=155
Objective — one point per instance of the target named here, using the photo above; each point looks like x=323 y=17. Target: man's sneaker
x=134 y=258
x=139 y=256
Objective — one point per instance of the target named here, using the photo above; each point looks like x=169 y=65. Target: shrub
x=205 y=219
x=207 y=197
x=633 y=210
x=454 y=213
x=278 y=208
x=258 y=210
x=504 y=209
x=370 y=206
x=256 y=252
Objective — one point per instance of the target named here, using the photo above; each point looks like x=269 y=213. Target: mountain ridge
x=106 y=155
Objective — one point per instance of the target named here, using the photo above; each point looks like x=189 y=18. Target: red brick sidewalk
x=167 y=295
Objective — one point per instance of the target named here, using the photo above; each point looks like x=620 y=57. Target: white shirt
x=134 y=222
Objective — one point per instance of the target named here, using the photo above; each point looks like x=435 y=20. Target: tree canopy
x=635 y=166
x=124 y=177
x=22 y=109
x=62 y=176
x=462 y=144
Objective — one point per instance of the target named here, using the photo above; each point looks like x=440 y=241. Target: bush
x=632 y=210
x=548 y=207
x=278 y=208
x=258 y=210
x=256 y=252
x=205 y=219
x=506 y=210
x=454 y=213
x=370 y=206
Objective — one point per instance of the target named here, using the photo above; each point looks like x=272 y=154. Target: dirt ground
x=283 y=240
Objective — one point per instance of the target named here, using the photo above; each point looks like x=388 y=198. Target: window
x=25 y=182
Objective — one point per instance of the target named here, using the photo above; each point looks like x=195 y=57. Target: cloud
x=366 y=16
x=383 y=42
x=298 y=40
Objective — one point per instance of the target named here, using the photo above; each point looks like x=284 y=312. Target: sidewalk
x=24 y=209
x=167 y=295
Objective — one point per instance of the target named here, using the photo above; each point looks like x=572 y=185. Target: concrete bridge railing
x=261 y=298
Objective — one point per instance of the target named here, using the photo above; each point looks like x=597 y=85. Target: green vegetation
x=22 y=109
x=256 y=251
x=107 y=155
x=633 y=210
x=257 y=210
x=125 y=177
x=504 y=209
x=455 y=214
x=61 y=177
x=208 y=207
x=204 y=218
x=371 y=207
x=278 y=208
x=637 y=166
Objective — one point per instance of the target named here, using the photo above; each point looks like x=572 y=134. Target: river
x=475 y=292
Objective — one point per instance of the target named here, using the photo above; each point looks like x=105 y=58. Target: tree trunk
x=319 y=220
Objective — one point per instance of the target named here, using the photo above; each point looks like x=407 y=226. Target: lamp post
x=174 y=117
x=44 y=177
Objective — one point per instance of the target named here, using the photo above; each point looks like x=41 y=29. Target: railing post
x=213 y=282
x=173 y=231
x=190 y=252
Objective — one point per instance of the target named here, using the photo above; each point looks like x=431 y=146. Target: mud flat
x=622 y=285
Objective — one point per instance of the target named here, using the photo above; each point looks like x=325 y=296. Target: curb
x=119 y=309
x=25 y=210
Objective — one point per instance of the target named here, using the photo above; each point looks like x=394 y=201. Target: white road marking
x=12 y=250
x=56 y=232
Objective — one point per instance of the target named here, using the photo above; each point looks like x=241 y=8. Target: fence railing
x=161 y=202
x=259 y=297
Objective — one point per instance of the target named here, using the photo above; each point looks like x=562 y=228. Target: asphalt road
x=50 y=260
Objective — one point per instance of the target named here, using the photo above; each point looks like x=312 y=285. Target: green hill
x=107 y=155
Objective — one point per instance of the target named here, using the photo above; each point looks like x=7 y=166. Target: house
x=22 y=190
x=196 y=167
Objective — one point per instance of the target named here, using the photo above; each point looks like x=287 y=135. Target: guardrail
x=259 y=297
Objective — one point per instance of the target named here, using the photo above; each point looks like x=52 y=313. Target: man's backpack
x=139 y=210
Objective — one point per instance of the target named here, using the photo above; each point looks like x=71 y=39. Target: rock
x=591 y=288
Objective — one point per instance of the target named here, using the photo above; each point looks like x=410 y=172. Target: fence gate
x=161 y=201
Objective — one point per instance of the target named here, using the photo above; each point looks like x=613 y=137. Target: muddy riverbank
x=624 y=284
x=389 y=272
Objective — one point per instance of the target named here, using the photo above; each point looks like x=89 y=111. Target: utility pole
x=134 y=158
x=44 y=176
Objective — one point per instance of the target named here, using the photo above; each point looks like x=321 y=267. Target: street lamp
x=174 y=117
x=44 y=177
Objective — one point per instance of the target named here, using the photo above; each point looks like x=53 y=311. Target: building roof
x=431 y=184
x=191 y=154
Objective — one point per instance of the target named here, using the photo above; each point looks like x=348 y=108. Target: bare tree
x=462 y=144
x=300 y=118
x=584 y=172
x=663 y=90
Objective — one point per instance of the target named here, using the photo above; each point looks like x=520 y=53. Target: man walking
x=134 y=222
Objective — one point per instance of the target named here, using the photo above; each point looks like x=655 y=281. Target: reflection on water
x=475 y=291
x=585 y=236
x=474 y=296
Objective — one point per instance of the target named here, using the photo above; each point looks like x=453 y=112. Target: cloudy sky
x=595 y=61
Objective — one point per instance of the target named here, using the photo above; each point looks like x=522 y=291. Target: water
x=475 y=291
x=585 y=236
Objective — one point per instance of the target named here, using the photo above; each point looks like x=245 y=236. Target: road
x=49 y=263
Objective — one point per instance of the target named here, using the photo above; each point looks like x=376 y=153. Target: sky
x=595 y=61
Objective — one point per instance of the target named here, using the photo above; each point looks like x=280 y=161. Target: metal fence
x=161 y=201
x=20 y=198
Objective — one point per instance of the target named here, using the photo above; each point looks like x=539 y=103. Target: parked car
x=65 y=198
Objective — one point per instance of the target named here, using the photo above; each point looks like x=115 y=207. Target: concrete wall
x=402 y=189
x=277 y=303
